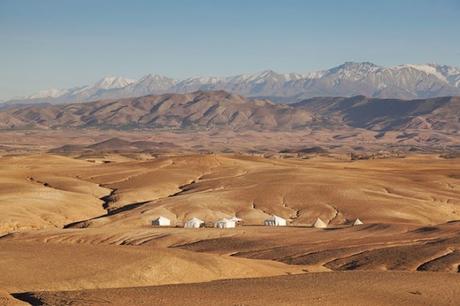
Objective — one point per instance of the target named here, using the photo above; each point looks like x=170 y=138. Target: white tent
x=235 y=219
x=225 y=223
x=161 y=221
x=320 y=223
x=275 y=221
x=358 y=222
x=193 y=223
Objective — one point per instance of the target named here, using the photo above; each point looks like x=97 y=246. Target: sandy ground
x=73 y=224
x=38 y=192
x=345 y=288
x=74 y=266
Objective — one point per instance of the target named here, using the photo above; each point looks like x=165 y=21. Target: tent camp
x=275 y=221
x=320 y=223
x=161 y=221
x=225 y=223
x=194 y=223
x=358 y=222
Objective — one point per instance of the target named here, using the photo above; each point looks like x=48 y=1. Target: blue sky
x=62 y=43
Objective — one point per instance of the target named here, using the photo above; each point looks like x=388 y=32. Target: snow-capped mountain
x=263 y=83
x=113 y=82
x=76 y=94
x=93 y=92
x=147 y=85
x=403 y=81
x=48 y=93
x=406 y=81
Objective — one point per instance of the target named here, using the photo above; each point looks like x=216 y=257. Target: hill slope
x=196 y=110
x=387 y=114
x=224 y=111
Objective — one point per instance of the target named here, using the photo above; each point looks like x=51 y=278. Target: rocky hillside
x=198 y=110
x=221 y=110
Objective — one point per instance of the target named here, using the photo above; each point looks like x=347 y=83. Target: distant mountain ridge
x=219 y=110
x=349 y=79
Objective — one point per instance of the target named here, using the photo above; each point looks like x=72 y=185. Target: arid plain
x=76 y=227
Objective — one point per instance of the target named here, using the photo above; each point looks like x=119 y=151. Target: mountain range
x=349 y=79
x=214 y=110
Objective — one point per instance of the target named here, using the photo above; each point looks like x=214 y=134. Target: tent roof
x=358 y=222
x=319 y=223
x=235 y=219
x=225 y=220
x=161 y=218
x=195 y=220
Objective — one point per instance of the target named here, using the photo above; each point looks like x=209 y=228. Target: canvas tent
x=275 y=221
x=235 y=219
x=161 y=221
x=320 y=223
x=225 y=223
x=358 y=222
x=194 y=223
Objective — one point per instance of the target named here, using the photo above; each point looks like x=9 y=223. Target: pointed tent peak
x=195 y=219
x=319 y=223
x=358 y=222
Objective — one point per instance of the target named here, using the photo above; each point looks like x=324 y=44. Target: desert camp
x=230 y=153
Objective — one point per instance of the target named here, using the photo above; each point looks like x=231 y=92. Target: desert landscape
x=75 y=227
x=350 y=201
x=234 y=153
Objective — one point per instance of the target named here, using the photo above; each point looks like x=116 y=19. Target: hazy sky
x=62 y=43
